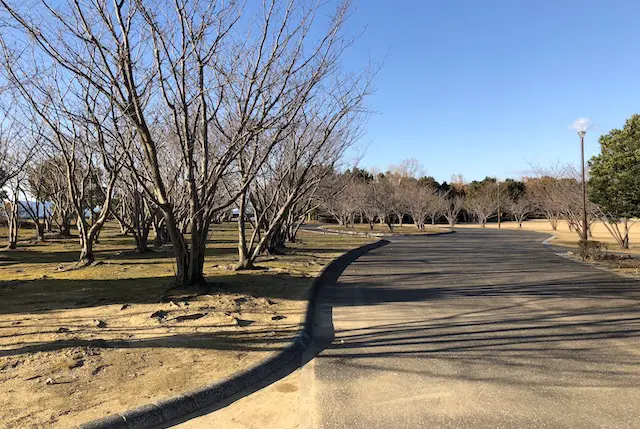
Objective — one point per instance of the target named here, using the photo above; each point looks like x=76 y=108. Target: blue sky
x=489 y=87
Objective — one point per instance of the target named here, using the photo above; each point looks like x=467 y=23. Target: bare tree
x=83 y=132
x=546 y=196
x=135 y=210
x=618 y=228
x=482 y=202
x=36 y=194
x=368 y=202
x=421 y=202
x=14 y=153
x=558 y=192
x=384 y=199
x=283 y=193
x=520 y=208
x=400 y=198
x=191 y=84
x=47 y=179
x=339 y=197
x=10 y=209
x=399 y=177
x=452 y=208
x=440 y=203
x=16 y=150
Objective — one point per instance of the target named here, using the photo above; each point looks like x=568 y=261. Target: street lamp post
x=581 y=126
x=582 y=133
x=499 y=214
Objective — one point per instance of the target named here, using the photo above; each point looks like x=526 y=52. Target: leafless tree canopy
x=167 y=114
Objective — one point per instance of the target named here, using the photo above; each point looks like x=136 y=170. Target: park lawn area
x=568 y=238
x=78 y=345
x=383 y=229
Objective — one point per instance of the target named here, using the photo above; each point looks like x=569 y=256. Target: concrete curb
x=563 y=252
x=547 y=241
x=166 y=411
x=564 y=248
x=381 y=234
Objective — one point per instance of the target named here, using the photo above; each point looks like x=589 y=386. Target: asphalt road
x=478 y=329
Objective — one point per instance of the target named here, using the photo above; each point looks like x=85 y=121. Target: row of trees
x=394 y=196
x=553 y=193
x=164 y=115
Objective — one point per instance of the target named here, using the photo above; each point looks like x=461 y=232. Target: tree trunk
x=65 y=227
x=13 y=232
x=86 y=254
x=13 y=223
x=625 y=239
x=40 y=227
x=196 y=264
x=124 y=230
x=47 y=221
x=180 y=249
x=142 y=241
x=161 y=236
x=389 y=223
x=199 y=228
x=244 y=260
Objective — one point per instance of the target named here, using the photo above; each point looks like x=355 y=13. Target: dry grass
x=77 y=345
x=383 y=229
x=568 y=238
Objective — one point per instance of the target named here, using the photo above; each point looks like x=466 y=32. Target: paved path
x=478 y=329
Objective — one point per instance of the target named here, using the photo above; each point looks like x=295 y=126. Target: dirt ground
x=280 y=405
x=78 y=345
x=565 y=237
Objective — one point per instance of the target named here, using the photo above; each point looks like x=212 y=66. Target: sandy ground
x=78 y=345
x=277 y=406
x=565 y=237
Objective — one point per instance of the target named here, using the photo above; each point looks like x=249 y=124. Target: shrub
x=594 y=250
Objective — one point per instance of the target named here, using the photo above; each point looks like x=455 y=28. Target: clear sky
x=489 y=87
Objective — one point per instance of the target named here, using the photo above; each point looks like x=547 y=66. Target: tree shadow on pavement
x=509 y=316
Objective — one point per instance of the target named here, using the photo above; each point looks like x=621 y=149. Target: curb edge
x=167 y=410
